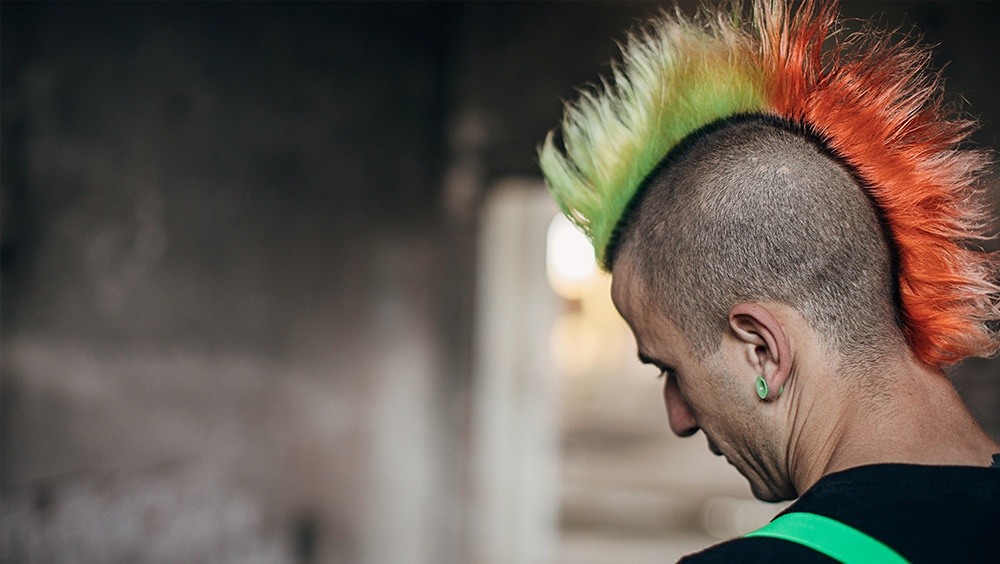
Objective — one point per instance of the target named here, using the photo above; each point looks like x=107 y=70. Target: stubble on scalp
x=754 y=209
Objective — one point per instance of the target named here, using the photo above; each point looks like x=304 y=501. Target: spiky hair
x=871 y=101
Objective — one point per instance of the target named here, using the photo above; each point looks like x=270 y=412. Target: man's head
x=749 y=214
x=755 y=211
x=770 y=212
x=870 y=104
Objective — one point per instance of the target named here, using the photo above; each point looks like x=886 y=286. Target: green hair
x=677 y=75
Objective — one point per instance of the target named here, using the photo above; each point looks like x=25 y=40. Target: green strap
x=830 y=537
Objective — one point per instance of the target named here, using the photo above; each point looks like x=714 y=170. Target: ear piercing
x=761 y=386
x=762 y=390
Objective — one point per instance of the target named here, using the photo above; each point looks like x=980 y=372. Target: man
x=786 y=228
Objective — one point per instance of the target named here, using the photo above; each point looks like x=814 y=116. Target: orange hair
x=882 y=113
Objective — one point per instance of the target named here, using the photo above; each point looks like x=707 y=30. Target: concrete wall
x=220 y=251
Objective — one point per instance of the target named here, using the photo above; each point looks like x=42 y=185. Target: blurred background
x=281 y=283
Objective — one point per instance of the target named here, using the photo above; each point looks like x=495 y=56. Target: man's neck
x=914 y=415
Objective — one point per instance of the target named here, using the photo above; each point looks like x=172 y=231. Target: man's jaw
x=711 y=446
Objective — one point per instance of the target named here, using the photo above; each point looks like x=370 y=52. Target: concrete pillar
x=515 y=395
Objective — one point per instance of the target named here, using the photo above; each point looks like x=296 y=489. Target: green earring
x=761 y=386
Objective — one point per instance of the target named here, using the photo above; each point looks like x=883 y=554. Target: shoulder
x=928 y=514
x=757 y=550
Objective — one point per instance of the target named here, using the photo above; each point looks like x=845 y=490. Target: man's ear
x=764 y=341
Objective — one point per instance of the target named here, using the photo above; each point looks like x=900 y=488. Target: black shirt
x=926 y=513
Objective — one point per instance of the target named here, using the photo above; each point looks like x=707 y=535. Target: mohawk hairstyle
x=871 y=101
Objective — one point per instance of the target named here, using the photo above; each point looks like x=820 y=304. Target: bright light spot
x=569 y=257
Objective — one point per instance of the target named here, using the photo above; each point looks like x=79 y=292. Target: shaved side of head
x=753 y=209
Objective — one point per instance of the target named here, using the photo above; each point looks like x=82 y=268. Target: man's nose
x=682 y=421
